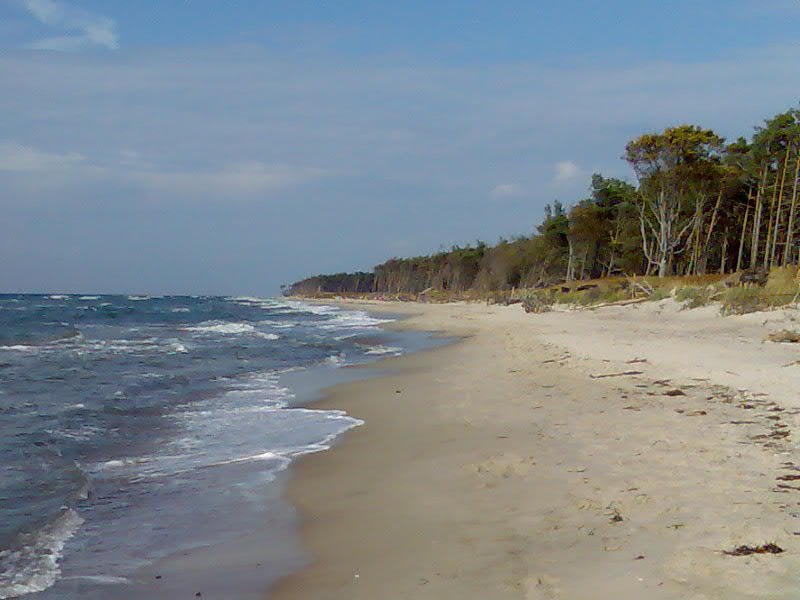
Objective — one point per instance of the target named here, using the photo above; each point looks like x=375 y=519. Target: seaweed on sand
x=744 y=550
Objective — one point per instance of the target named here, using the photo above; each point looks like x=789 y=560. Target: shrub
x=695 y=297
x=739 y=301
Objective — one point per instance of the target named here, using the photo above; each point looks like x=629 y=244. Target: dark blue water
x=116 y=412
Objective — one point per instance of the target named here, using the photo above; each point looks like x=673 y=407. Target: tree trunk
x=779 y=208
x=757 y=218
x=724 y=258
x=713 y=222
x=570 y=263
x=789 y=248
x=744 y=233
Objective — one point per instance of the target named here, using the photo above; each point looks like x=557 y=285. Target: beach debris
x=567 y=356
x=398 y=392
x=675 y=392
x=744 y=550
x=616 y=517
x=785 y=336
x=696 y=413
x=620 y=374
x=634 y=361
x=640 y=557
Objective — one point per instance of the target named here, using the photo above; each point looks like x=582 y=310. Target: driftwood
x=785 y=336
x=620 y=374
x=619 y=303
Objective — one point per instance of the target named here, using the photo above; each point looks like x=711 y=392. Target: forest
x=698 y=205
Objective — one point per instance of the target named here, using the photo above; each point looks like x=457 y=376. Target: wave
x=20 y=348
x=381 y=350
x=353 y=320
x=126 y=346
x=224 y=327
x=314 y=309
x=279 y=324
x=32 y=565
x=335 y=359
x=89 y=298
x=98 y=579
x=230 y=328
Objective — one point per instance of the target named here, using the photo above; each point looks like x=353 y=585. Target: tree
x=677 y=170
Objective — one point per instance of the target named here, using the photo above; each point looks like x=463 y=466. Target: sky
x=201 y=147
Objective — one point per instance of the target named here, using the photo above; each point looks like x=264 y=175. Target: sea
x=135 y=428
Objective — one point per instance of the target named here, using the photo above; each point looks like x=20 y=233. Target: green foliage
x=695 y=297
x=739 y=301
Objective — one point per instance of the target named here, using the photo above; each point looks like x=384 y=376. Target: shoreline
x=513 y=465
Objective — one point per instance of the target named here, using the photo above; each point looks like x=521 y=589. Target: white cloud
x=127 y=167
x=567 y=171
x=506 y=190
x=241 y=179
x=16 y=157
x=84 y=29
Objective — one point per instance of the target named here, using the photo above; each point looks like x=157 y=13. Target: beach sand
x=519 y=463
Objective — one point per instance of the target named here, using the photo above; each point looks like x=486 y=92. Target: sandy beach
x=615 y=453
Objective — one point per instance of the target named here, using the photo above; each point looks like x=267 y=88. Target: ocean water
x=130 y=425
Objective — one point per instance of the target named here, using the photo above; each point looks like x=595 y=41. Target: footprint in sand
x=543 y=587
x=504 y=466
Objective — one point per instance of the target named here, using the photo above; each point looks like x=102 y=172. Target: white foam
x=177 y=348
x=58 y=297
x=20 y=348
x=353 y=320
x=99 y=579
x=89 y=298
x=33 y=565
x=139 y=298
x=335 y=359
x=222 y=327
x=316 y=309
x=252 y=300
x=380 y=350
x=253 y=458
x=172 y=346
x=230 y=328
x=279 y=324
x=181 y=309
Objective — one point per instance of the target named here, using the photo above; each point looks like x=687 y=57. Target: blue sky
x=207 y=147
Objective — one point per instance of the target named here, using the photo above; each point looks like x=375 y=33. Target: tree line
x=699 y=205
